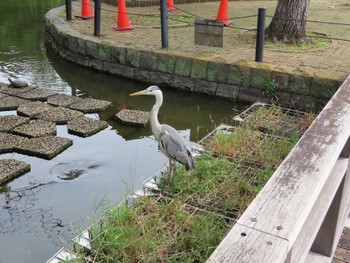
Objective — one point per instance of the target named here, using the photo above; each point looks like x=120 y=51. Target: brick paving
x=331 y=60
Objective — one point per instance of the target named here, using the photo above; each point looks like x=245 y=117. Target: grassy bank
x=190 y=213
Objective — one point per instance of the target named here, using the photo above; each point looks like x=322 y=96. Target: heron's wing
x=174 y=146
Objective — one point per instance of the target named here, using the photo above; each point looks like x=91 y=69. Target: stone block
x=183 y=66
x=199 y=69
x=119 y=70
x=81 y=45
x=160 y=78
x=133 y=57
x=166 y=63
x=118 y=54
x=104 y=53
x=206 y=87
x=281 y=75
x=261 y=75
x=73 y=44
x=249 y=94
x=96 y=64
x=184 y=83
x=208 y=33
x=92 y=49
x=217 y=72
x=300 y=80
x=239 y=74
x=141 y=75
x=323 y=85
x=227 y=91
x=148 y=60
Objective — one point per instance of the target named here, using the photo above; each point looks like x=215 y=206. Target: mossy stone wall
x=249 y=81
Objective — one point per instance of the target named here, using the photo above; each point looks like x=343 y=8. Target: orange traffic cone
x=123 y=22
x=86 y=10
x=223 y=13
x=171 y=6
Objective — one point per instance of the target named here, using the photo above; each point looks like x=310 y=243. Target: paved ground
x=238 y=44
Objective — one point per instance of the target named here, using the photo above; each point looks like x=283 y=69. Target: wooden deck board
x=342 y=253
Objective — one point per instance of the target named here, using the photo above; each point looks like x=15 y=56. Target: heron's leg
x=169 y=173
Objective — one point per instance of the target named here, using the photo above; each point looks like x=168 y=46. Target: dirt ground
x=332 y=60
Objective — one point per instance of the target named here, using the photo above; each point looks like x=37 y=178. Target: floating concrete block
x=36 y=128
x=45 y=147
x=9 y=142
x=9 y=122
x=14 y=91
x=59 y=115
x=133 y=117
x=11 y=103
x=3 y=95
x=11 y=168
x=37 y=94
x=62 y=100
x=31 y=109
x=90 y=105
x=84 y=126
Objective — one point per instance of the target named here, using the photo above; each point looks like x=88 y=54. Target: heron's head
x=151 y=90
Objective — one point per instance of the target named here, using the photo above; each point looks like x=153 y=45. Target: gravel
x=45 y=147
x=11 y=168
x=11 y=103
x=36 y=128
x=84 y=126
x=32 y=109
x=62 y=100
x=59 y=115
x=9 y=122
x=90 y=105
x=37 y=94
x=133 y=117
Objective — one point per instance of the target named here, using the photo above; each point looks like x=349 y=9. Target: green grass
x=157 y=231
x=274 y=121
x=251 y=146
x=315 y=40
x=218 y=184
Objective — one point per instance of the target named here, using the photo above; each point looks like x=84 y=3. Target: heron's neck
x=155 y=125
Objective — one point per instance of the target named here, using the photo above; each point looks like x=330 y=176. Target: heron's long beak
x=142 y=92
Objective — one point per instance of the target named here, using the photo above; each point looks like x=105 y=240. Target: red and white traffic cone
x=223 y=13
x=123 y=22
x=86 y=10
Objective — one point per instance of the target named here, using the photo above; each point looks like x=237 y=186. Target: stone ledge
x=184 y=72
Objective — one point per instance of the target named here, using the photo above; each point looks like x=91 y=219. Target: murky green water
x=38 y=209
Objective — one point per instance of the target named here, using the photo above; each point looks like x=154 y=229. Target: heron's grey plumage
x=171 y=143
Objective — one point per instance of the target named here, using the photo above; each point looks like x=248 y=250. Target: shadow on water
x=38 y=209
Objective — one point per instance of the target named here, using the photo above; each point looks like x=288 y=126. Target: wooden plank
x=283 y=205
x=245 y=245
x=312 y=225
x=330 y=232
x=344 y=241
x=342 y=254
x=313 y=257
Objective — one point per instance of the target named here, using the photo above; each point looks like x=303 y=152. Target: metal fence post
x=164 y=23
x=69 y=9
x=97 y=21
x=260 y=36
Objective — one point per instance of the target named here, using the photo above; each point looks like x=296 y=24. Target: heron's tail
x=190 y=162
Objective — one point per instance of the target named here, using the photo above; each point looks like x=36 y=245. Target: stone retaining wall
x=248 y=81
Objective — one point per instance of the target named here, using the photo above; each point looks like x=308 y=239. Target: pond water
x=39 y=209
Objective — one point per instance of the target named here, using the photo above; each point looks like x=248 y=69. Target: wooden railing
x=299 y=215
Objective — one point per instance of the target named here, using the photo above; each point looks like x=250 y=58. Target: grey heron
x=170 y=142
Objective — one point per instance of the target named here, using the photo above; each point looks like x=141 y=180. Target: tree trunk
x=289 y=21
